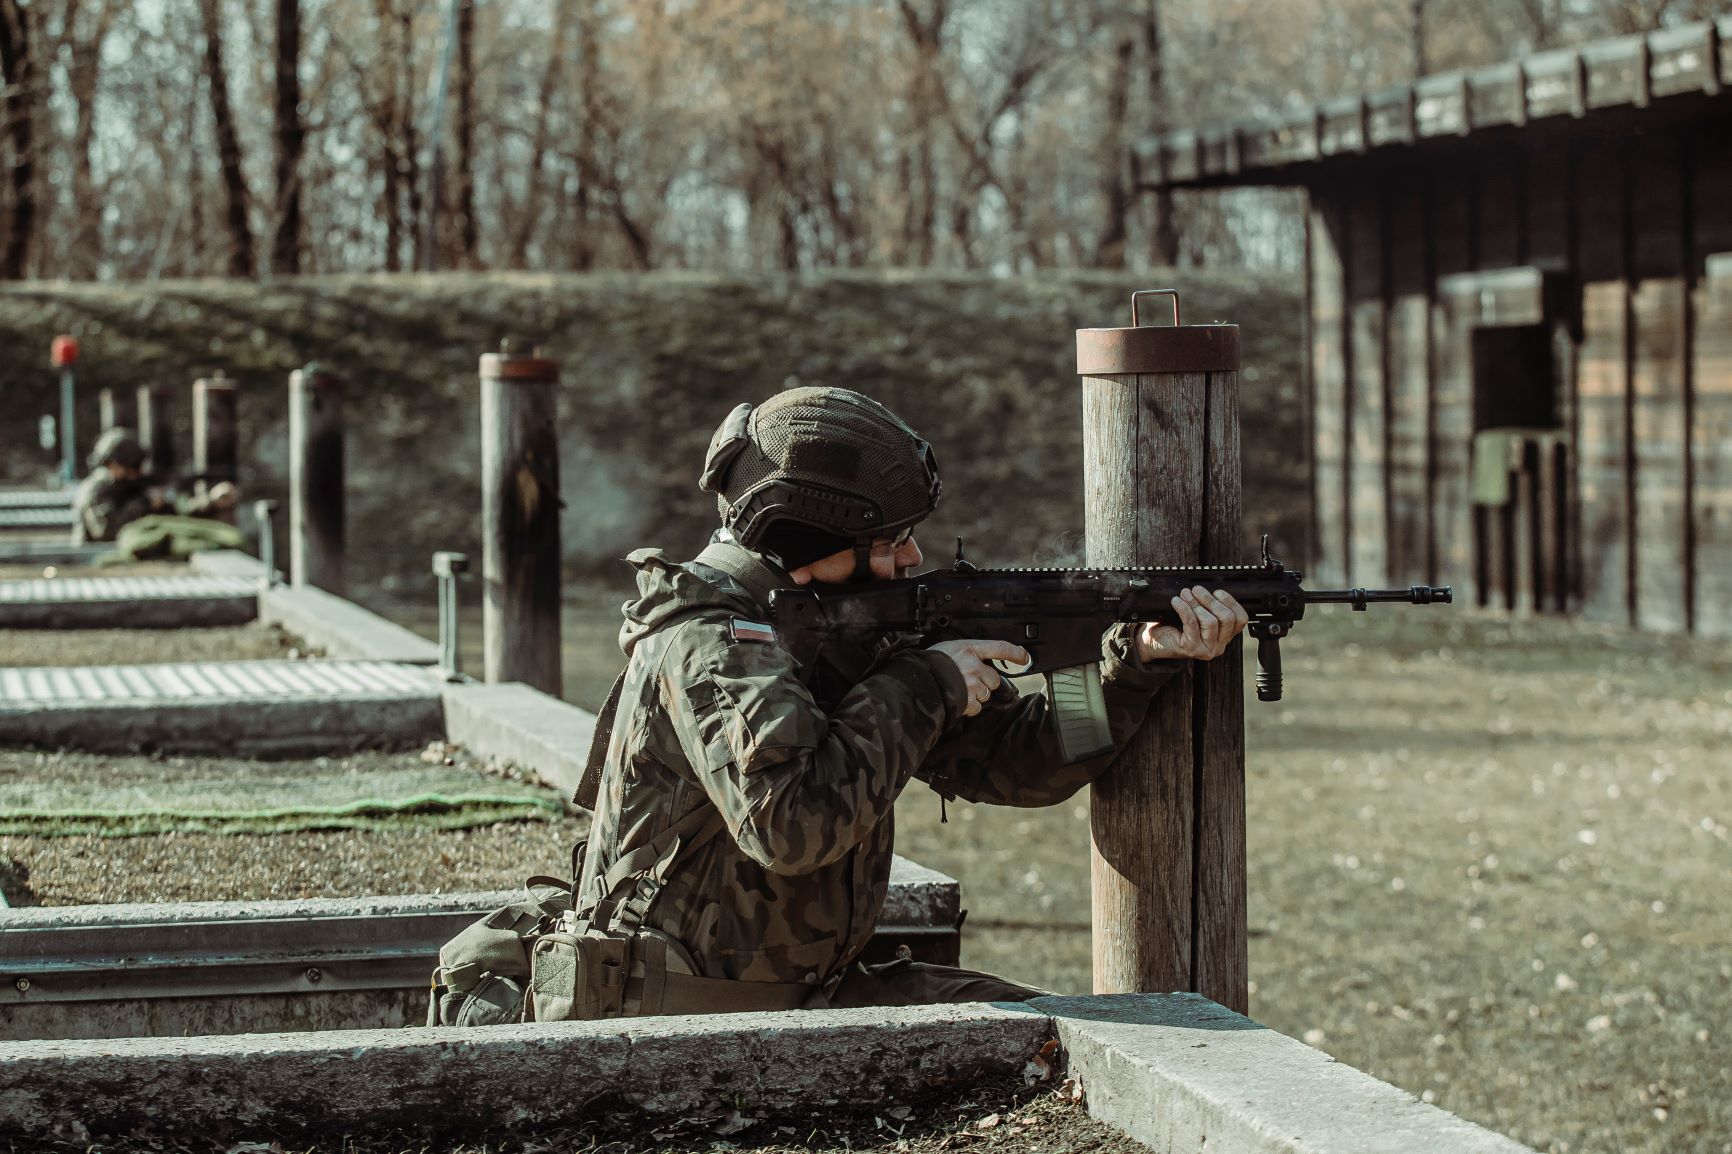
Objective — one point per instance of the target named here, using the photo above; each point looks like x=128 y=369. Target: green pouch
x=162 y=537
x=484 y=971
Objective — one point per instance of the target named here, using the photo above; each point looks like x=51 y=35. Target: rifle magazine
x=1079 y=712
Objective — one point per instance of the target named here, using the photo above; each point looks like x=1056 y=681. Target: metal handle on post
x=262 y=511
x=449 y=568
x=1140 y=293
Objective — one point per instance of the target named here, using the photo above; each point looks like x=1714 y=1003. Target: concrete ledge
x=485 y=1080
x=51 y=553
x=341 y=628
x=307 y=727
x=516 y=723
x=1182 y=1074
x=127 y=603
x=203 y=968
x=1176 y=1071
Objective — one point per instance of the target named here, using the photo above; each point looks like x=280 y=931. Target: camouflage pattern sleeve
x=799 y=788
x=1008 y=754
x=104 y=505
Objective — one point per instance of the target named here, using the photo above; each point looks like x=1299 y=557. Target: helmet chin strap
x=863 y=559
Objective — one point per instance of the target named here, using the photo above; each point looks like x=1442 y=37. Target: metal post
x=449 y=568
x=68 y=429
x=264 y=513
x=1162 y=487
x=316 y=536
x=520 y=518
x=156 y=429
x=213 y=431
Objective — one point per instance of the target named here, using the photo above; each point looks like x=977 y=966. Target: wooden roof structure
x=1590 y=85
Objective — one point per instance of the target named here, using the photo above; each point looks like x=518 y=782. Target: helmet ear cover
x=730 y=440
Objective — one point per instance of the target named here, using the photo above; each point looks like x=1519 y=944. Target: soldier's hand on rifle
x=1208 y=622
x=971 y=658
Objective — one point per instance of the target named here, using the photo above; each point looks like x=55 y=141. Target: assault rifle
x=1058 y=616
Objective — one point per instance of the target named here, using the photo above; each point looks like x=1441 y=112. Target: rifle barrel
x=1360 y=598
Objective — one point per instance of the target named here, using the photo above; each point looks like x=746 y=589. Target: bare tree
x=1109 y=249
x=1164 y=248
x=242 y=262
x=290 y=141
x=23 y=95
x=468 y=233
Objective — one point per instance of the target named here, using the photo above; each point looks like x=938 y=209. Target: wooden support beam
x=317 y=545
x=520 y=561
x=1162 y=481
x=215 y=441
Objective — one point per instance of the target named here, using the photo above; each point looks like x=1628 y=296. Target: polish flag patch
x=742 y=630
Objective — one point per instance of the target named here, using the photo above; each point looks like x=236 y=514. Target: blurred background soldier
x=117 y=493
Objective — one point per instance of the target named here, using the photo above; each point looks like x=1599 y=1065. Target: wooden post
x=1162 y=487
x=213 y=430
x=316 y=479
x=117 y=410
x=520 y=518
x=156 y=429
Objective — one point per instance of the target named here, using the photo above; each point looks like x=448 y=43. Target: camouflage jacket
x=804 y=768
x=104 y=504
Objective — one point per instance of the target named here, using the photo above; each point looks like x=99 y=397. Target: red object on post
x=64 y=353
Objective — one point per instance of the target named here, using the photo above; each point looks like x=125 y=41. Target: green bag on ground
x=166 y=537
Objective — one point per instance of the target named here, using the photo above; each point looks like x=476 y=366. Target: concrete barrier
x=517 y=723
x=183 y=968
x=1175 y=1071
x=127 y=603
x=323 y=620
x=226 y=967
x=290 y=708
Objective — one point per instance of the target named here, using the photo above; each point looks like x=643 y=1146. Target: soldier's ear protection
x=729 y=442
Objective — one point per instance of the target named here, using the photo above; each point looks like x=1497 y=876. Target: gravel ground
x=254 y=642
x=78 y=870
x=998 y=1117
x=1488 y=863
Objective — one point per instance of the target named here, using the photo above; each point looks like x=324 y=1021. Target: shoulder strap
x=589 y=785
x=750 y=570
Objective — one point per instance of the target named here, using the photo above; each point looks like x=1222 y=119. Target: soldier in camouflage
x=117 y=493
x=802 y=767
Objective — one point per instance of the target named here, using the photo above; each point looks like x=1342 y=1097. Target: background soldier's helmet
x=813 y=471
x=119 y=446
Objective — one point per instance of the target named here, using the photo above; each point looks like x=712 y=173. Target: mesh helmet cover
x=832 y=461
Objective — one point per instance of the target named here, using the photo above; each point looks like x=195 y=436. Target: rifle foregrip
x=1268 y=669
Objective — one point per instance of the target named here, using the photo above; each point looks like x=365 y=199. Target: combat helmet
x=813 y=471
x=119 y=446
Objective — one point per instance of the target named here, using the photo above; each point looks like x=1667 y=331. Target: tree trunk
x=408 y=143
x=18 y=69
x=530 y=214
x=85 y=258
x=1109 y=249
x=241 y=259
x=468 y=234
x=588 y=112
x=1164 y=244
x=291 y=139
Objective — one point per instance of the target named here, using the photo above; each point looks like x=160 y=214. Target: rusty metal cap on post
x=315 y=376
x=518 y=361
x=1169 y=348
